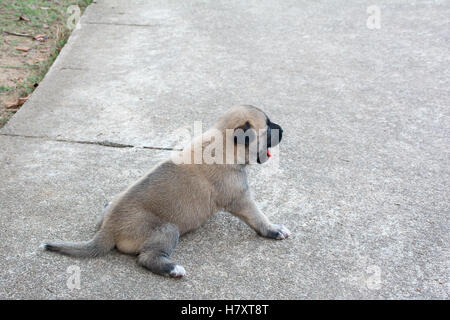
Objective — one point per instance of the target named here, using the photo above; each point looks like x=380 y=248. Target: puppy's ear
x=244 y=134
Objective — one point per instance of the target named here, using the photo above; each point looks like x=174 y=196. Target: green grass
x=39 y=12
x=3 y=121
x=4 y=88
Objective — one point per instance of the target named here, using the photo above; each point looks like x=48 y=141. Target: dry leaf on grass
x=23 y=100
x=16 y=104
x=40 y=37
x=23 y=49
x=10 y=105
x=24 y=18
x=17 y=34
x=37 y=60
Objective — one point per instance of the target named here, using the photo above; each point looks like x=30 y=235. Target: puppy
x=181 y=194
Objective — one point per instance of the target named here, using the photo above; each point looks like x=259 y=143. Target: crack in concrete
x=104 y=143
x=122 y=24
x=72 y=68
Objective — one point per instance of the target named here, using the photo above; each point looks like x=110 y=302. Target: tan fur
x=173 y=199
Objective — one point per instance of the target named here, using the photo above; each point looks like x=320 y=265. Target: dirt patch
x=32 y=32
x=16 y=70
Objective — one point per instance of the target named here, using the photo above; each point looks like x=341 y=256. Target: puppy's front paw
x=278 y=232
x=177 y=271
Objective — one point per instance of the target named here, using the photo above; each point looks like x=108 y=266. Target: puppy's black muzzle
x=274 y=136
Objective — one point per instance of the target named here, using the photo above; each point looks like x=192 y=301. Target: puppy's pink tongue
x=268 y=153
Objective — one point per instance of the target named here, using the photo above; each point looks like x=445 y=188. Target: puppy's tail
x=101 y=244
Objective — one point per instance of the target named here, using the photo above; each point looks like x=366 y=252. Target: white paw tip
x=178 y=271
x=284 y=233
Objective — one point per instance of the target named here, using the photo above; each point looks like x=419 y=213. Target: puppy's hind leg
x=157 y=249
x=99 y=221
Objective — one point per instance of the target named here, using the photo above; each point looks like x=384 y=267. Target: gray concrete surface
x=363 y=175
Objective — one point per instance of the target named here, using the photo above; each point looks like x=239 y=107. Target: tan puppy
x=181 y=194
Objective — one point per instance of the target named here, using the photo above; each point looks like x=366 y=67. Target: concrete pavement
x=363 y=174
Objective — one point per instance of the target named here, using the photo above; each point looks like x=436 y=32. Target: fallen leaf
x=9 y=105
x=38 y=60
x=13 y=104
x=45 y=26
x=24 y=18
x=23 y=100
x=23 y=49
x=40 y=37
x=16 y=103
